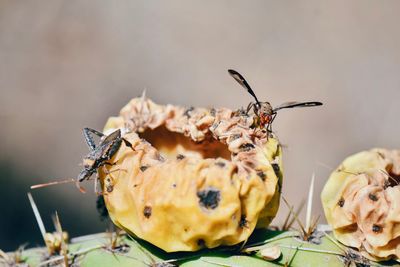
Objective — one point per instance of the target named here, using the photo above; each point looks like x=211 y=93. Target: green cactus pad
x=132 y=252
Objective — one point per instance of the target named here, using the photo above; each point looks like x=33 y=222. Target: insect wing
x=294 y=104
x=112 y=136
x=109 y=145
x=113 y=148
x=242 y=81
x=87 y=133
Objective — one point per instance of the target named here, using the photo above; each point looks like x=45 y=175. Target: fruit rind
x=226 y=182
x=361 y=202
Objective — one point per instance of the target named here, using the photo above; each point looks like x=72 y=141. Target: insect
x=98 y=156
x=264 y=113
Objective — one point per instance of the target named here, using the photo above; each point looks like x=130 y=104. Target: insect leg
x=249 y=107
x=112 y=164
x=108 y=182
x=128 y=144
x=269 y=126
x=96 y=183
x=116 y=170
x=273 y=118
x=80 y=188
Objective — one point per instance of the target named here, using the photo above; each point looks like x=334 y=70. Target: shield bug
x=263 y=111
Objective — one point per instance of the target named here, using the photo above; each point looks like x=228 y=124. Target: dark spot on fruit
x=220 y=164
x=373 y=197
x=376 y=228
x=215 y=125
x=180 y=157
x=209 y=198
x=109 y=188
x=213 y=112
x=143 y=168
x=160 y=158
x=341 y=202
x=386 y=184
x=173 y=185
x=246 y=147
x=187 y=112
x=380 y=155
x=276 y=168
x=235 y=136
x=262 y=175
x=243 y=222
x=201 y=242
x=147 y=211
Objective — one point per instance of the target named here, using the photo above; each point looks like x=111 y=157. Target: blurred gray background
x=65 y=65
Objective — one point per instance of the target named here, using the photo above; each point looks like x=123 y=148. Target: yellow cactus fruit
x=361 y=201
x=193 y=178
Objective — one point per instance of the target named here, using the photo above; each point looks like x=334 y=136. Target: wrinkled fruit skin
x=361 y=201
x=185 y=202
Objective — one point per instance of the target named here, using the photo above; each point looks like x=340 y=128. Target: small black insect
x=100 y=154
x=264 y=113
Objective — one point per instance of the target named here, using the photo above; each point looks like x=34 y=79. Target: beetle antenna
x=242 y=81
